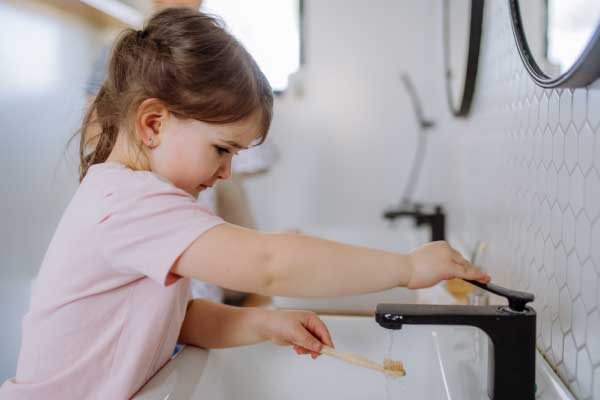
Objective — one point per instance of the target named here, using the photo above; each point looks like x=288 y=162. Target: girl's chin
x=195 y=191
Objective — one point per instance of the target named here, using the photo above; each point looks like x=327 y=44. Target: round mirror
x=462 y=34
x=558 y=40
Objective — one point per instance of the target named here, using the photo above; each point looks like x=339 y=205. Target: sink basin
x=442 y=363
x=269 y=372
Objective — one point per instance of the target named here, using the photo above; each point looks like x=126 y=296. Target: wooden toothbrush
x=389 y=367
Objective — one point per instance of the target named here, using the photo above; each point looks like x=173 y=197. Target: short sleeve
x=145 y=229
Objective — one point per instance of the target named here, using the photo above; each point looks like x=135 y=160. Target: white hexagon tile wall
x=522 y=172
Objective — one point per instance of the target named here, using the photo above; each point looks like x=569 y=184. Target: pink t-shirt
x=105 y=311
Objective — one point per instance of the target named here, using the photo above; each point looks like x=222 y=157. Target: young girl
x=111 y=299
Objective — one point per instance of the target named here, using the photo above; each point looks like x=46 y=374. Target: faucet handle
x=516 y=299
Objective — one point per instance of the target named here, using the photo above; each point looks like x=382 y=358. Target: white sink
x=442 y=363
x=270 y=372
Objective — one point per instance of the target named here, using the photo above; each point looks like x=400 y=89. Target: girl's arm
x=213 y=325
x=297 y=265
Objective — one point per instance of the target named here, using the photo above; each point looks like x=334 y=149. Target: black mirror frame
x=582 y=73
x=472 y=57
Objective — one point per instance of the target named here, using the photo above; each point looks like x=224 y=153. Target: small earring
x=149 y=140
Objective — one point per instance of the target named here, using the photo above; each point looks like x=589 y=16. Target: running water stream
x=393 y=385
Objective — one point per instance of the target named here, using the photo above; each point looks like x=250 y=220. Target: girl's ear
x=150 y=120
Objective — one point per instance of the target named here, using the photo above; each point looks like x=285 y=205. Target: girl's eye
x=222 y=150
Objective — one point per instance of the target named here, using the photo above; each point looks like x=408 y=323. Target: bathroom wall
x=46 y=57
x=346 y=143
x=522 y=173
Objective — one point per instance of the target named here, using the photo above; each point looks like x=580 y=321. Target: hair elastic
x=141 y=34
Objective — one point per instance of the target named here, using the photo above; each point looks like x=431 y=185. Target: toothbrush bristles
x=394 y=367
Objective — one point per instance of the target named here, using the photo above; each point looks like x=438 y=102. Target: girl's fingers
x=468 y=271
x=458 y=258
x=460 y=261
x=300 y=350
x=319 y=329
x=305 y=339
x=314 y=334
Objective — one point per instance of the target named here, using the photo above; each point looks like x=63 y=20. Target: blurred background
x=521 y=172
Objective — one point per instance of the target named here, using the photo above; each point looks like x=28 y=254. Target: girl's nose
x=225 y=170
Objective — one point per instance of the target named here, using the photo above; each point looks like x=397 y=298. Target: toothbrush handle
x=352 y=359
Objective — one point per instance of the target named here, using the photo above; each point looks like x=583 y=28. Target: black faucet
x=511 y=330
x=436 y=219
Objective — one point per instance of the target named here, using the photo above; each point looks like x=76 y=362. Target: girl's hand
x=437 y=261
x=301 y=329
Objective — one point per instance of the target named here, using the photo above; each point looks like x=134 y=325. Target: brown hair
x=185 y=59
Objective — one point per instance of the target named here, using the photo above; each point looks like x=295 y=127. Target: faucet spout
x=512 y=334
x=436 y=218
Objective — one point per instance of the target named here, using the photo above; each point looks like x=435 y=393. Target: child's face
x=193 y=155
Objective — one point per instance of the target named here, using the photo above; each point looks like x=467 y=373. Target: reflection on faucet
x=407 y=207
x=511 y=330
x=424 y=125
x=435 y=218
